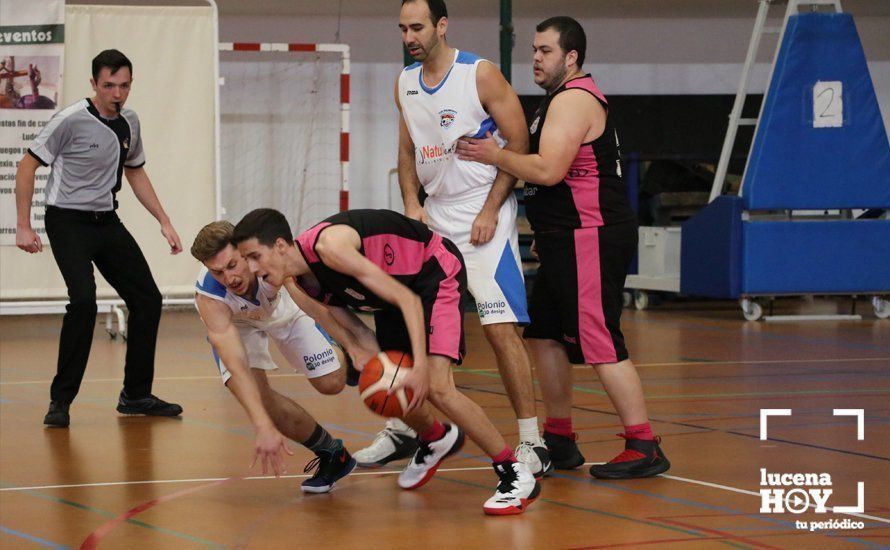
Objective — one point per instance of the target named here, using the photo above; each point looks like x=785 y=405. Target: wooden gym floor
x=133 y=482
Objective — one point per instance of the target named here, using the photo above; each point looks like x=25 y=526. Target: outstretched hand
x=271 y=447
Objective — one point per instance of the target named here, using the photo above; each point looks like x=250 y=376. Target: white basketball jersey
x=437 y=117
x=266 y=309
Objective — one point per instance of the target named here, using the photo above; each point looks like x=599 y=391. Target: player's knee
x=330 y=384
x=501 y=335
x=441 y=392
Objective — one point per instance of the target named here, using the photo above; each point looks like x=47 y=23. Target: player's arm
x=563 y=133
x=145 y=192
x=25 y=237
x=338 y=247
x=352 y=336
x=270 y=445
x=409 y=183
x=367 y=348
x=502 y=103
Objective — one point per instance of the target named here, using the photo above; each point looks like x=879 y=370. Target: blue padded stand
x=796 y=166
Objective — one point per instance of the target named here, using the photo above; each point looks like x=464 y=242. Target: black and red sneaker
x=564 y=452
x=641 y=458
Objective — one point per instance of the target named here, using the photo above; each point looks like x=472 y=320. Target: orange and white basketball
x=378 y=376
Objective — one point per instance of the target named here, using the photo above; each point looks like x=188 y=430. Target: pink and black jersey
x=406 y=249
x=398 y=245
x=592 y=194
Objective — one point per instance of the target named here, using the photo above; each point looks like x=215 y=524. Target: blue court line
x=131 y=521
x=794 y=375
x=695 y=504
x=688 y=425
x=32 y=538
x=611 y=515
x=485 y=459
x=768 y=336
x=686 y=502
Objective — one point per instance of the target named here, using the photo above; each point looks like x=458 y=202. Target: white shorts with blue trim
x=304 y=344
x=494 y=270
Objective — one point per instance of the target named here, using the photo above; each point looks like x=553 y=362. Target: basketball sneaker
x=640 y=458
x=535 y=455
x=429 y=456
x=395 y=442
x=563 y=451
x=516 y=490
x=329 y=466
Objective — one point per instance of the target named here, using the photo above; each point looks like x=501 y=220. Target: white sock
x=528 y=430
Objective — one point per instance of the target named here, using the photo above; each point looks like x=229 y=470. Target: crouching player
x=241 y=313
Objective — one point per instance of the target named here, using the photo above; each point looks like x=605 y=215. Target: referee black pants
x=78 y=240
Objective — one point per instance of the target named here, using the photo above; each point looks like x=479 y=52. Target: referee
x=89 y=146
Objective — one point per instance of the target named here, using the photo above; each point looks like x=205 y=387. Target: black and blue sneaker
x=329 y=466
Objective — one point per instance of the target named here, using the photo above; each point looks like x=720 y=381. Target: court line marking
x=460 y=369
x=756 y=494
x=391 y=472
x=32 y=538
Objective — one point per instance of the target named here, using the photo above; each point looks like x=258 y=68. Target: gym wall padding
x=802 y=257
x=173 y=51
x=711 y=250
x=795 y=165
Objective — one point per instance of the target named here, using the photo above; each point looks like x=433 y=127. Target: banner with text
x=32 y=49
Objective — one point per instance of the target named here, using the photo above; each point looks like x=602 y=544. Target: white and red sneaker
x=428 y=457
x=517 y=489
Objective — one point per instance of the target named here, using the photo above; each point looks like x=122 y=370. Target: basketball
x=378 y=376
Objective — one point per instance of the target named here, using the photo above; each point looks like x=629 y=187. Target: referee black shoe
x=57 y=415
x=149 y=406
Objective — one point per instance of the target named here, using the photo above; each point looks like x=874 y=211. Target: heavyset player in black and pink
x=586 y=236
x=413 y=281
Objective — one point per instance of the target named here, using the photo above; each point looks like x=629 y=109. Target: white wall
x=628 y=54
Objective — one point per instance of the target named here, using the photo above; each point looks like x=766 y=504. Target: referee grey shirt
x=87 y=153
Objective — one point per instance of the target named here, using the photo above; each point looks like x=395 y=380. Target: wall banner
x=32 y=49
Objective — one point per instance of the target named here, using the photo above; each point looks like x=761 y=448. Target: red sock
x=639 y=431
x=504 y=456
x=559 y=426
x=434 y=433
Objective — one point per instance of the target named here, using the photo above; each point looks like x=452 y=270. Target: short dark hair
x=267 y=225
x=113 y=60
x=438 y=10
x=571 y=34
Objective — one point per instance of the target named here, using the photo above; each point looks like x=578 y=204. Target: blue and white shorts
x=494 y=270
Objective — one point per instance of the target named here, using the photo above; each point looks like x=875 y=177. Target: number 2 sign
x=828 y=104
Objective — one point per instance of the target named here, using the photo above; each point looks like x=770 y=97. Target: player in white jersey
x=446 y=95
x=241 y=312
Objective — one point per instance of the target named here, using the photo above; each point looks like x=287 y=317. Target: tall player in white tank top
x=446 y=95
